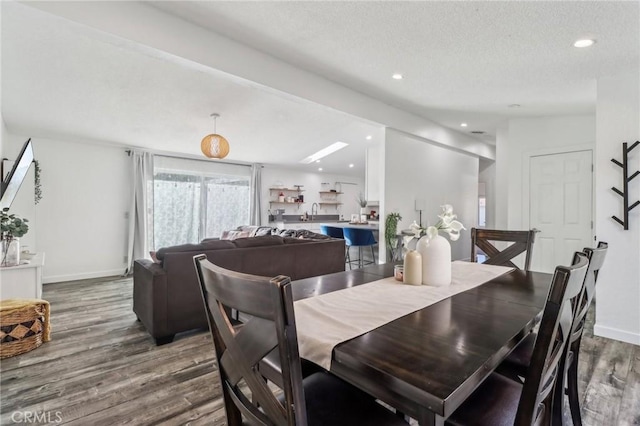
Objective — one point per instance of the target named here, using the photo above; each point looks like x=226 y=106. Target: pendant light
x=214 y=145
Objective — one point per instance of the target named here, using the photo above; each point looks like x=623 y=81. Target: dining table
x=426 y=363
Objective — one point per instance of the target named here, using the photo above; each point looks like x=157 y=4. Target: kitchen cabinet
x=372 y=176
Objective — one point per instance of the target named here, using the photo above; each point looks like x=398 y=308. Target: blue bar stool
x=332 y=231
x=355 y=237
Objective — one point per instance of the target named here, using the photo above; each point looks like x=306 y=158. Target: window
x=197 y=199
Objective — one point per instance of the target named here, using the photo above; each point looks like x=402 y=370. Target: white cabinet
x=372 y=175
x=22 y=281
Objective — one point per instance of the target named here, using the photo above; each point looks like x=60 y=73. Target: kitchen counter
x=373 y=226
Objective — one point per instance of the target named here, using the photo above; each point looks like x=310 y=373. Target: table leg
x=429 y=418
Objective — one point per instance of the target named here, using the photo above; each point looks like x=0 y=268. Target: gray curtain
x=141 y=211
x=255 y=216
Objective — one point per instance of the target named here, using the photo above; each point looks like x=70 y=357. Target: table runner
x=329 y=319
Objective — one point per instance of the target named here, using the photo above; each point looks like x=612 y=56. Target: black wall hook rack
x=625 y=184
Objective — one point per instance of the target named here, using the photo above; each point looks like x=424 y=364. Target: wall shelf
x=286 y=202
x=286 y=189
x=331 y=203
x=331 y=192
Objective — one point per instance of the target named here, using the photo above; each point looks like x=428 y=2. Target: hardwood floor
x=102 y=368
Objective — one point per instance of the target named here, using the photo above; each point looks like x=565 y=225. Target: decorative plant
x=11 y=226
x=391 y=232
x=362 y=201
x=37 y=190
x=446 y=223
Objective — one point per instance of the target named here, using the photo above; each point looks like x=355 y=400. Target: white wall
x=531 y=136
x=80 y=220
x=415 y=169
x=312 y=182
x=618 y=289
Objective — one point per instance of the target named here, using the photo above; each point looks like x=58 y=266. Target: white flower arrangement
x=447 y=223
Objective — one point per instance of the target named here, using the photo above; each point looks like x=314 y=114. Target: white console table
x=23 y=281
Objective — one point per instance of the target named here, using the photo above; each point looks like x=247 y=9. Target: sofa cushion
x=209 y=245
x=265 y=240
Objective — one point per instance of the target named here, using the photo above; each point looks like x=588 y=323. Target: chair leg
x=360 y=261
x=572 y=389
x=373 y=255
x=349 y=258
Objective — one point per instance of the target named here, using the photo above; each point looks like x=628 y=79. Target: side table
x=23 y=281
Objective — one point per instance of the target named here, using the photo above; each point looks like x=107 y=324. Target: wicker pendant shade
x=214 y=145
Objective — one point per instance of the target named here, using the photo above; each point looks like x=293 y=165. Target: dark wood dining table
x=427 y=363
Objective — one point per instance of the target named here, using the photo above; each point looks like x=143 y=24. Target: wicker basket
x=24 y=325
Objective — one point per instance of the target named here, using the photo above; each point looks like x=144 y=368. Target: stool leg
x=373 y=255
x=349 y=257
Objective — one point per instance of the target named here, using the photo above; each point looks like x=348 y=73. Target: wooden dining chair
x=517 y=363
x=502 y=401
x=319 y=399
x=483 y=238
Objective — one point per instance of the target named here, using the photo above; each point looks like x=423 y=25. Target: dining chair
x=522 y=242
x=355 y=237
x=319 y=399
x=502 y=401
x=516 y=364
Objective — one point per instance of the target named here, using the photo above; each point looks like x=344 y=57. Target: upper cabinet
x=372 y=176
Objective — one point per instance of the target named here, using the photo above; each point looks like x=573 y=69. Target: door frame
x=526 y=173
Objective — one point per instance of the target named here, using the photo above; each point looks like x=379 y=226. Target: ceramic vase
x=436 y=261
x=10 y=253
x=412 y=268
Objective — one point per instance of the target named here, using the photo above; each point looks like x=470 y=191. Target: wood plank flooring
x=102 y=368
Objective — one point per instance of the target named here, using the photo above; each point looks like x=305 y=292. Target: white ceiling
x=462 y=61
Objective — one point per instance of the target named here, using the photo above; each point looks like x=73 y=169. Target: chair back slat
x=522 y=243
x=596 y=260
x=553 y=335
x=239 y=350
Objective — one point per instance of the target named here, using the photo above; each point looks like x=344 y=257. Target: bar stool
x=355 y=237
x=334 y=232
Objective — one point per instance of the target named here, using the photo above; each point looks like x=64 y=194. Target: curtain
x=255 y=217
x=141 y=211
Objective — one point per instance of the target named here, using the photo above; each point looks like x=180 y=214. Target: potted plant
x=391 y=235
x=11 y=229
x=362 y=202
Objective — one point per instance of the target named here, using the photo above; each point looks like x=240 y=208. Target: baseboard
x=83 y=276
x=616 y=334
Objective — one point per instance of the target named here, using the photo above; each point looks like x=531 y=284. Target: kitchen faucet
x=314 y=212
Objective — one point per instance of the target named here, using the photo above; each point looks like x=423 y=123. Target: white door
x=560 y=206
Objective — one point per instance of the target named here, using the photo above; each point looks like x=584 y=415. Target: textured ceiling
x=60 y=79
x=462 y=61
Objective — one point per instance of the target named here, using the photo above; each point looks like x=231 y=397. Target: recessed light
x=369 y=137
x=317 y=161
x=324 y=152
x=463 y=124
x=397 y=76
x=319 y=169
x=584 y=42
x=351 y=165
x=514 y=106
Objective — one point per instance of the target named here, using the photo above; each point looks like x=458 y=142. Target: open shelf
x=332 y=203
x=286 y=202
x=286 y=189
x=331 y=192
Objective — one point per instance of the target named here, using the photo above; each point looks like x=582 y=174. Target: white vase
x=10 y=253
x=436 y=261
x=412 y=268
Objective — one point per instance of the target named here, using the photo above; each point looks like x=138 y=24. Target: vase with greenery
x=391 y=235
x=11 y=229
